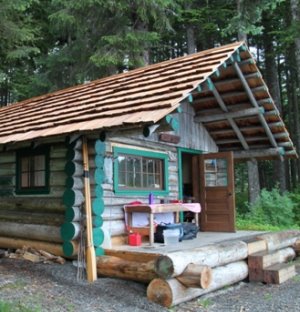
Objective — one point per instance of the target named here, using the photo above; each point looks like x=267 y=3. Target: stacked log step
x=268 y=257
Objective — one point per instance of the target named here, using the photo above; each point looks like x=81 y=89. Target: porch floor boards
x=202 y=239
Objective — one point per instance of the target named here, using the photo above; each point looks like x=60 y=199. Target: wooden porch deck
x=202 y=239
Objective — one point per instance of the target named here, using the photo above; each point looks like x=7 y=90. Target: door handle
x=229 y=194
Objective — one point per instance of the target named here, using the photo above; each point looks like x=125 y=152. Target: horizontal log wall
x=113 y=214
x=32 y=218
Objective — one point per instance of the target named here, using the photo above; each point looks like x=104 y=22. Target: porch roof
x=223 y=84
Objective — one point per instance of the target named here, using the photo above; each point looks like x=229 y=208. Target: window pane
x=39 y=178
x=25 y=164
x=25 y=180
x=39 y=162
x=138 y=172
x=32 y=176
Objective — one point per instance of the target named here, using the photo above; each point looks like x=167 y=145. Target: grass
x=205 y=303
x=268 y=297
x=15 y=285
x=243 y=224
x=6 y=306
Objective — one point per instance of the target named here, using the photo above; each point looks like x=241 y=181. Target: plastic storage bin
x=171 y=236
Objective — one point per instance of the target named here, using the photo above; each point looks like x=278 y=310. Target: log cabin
x=172 y=129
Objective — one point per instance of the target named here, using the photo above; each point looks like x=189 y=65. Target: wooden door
x=214 y=187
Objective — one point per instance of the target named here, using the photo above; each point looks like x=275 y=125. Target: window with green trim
x=32 y=171
x=141 y=171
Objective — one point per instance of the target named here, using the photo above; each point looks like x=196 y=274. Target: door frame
x=180 y=151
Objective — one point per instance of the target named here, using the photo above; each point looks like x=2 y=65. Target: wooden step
x=279 y=273
x=264 y=259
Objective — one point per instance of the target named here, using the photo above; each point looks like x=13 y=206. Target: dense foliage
x=271 y=211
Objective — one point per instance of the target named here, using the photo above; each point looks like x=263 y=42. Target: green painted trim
x=243 y=48
x=217 y=73
x=210 y=84
x=97 y=221
x=136 y=152
x=175 y=124
x=98 y=206
x=68 y=249
x=33 y=152
x=99 y=191
x=69 y=231
x=190 y=98
x=98 y=237
x=237 y=56
x=199 y=88
x=100 y=147
x=99 y=161
x=99 y=251
x=179 y=109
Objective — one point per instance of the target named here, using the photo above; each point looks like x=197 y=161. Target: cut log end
x=164 y=267
x=196 y=276
x=159 y=291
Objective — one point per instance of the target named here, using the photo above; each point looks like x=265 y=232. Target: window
x=137 y=171
x=33 y=171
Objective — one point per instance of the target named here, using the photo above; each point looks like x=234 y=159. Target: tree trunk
x=295 y=12
x=253 y=180
x=271 y=74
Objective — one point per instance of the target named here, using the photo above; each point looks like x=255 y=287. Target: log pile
x=35 y=255
x=185 y=275
x=181 y=273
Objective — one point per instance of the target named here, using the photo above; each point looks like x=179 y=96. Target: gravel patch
x=54 y=287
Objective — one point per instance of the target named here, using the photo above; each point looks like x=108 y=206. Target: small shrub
x=273 y=208
x=295 y=197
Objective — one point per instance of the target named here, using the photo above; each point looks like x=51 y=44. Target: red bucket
x=134 y=239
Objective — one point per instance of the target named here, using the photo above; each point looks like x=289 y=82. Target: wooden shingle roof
x=208 y=79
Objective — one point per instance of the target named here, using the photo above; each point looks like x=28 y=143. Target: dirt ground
x=55 y=287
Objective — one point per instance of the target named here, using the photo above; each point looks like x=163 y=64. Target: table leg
x=151 y=221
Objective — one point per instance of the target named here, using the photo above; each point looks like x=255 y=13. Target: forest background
x=47 y=45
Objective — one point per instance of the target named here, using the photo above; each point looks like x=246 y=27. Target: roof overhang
x=236 y=108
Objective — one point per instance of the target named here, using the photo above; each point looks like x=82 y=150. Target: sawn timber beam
x=254 y=103
x=237 y=114
x=229 y=118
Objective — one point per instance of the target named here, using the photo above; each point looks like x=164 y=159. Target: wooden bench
x=157 y=208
